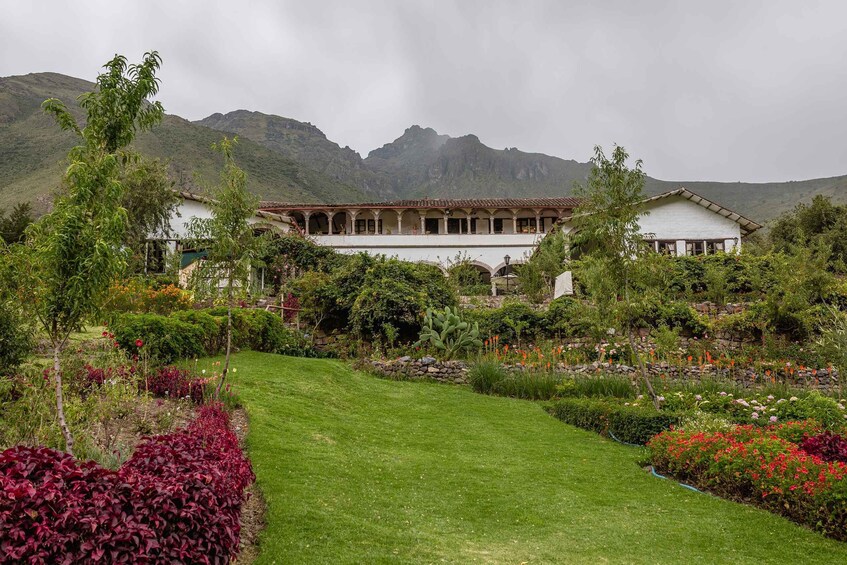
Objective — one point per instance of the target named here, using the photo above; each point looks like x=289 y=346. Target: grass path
x=361 y=470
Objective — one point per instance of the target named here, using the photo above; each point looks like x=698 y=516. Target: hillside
x=288 y=160
x=305 y=144
x=33 y=150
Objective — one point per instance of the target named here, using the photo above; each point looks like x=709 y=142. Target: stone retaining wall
x=456 y=372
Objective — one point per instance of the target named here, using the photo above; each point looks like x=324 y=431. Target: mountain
x=291 y=161
x=303 y=143
x=422 y=163
x=33 y=150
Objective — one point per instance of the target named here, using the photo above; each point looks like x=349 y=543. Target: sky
x=752 y=91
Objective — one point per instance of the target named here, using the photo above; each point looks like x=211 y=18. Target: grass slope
x=361 y=470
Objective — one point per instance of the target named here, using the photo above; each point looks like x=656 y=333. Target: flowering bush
x=172 y=382
x=178 y=499
x=763 y=410
x=828 y=446
x=762 y=465
x=136 y=296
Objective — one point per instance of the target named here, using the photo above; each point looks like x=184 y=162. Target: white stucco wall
x=482 y=249
x=678 y=219
x=189 y=209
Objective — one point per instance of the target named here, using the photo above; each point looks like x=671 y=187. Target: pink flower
x=139 y=343
x=773 y=418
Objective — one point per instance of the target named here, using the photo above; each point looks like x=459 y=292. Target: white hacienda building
x=489 y=233
x=486 y=231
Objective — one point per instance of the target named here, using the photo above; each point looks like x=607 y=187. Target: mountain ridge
x=292 y=161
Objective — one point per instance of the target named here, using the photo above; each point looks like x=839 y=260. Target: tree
x=608 y=239
x=74 y=253
x=821 y=221
x=537 y=277
x=149 y=200
x=13 y=228
x=232 y=249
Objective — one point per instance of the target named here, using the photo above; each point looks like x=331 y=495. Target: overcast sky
x=735 y=90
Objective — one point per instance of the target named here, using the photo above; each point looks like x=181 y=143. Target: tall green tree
x=232 y=248
x=74 y=253
x=150 y=200
x=613 y=265
x=13 y=228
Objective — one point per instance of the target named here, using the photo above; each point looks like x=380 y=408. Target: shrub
x=212 y=327
x=630 y=424
x=15 y=338
x=173 y=382
x=828 y=446
x=761 y=465
x=484 y=375
x=178 y=499
x=165 y=339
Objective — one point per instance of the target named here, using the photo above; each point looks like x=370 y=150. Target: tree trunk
x=228 y=337
x=60 y=404
x=643 y=368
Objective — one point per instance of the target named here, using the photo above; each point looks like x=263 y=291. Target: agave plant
x=446 y=332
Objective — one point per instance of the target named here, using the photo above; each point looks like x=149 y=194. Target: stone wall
x=456 y=372
x=453 y=372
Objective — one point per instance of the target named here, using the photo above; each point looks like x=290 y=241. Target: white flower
x=203 y=371
x=780 y=401
x=770 y=397
x=234 y=370
x=793 y=399
x=698 y=398
x=660 y=398
x=840 y=406
x=755 y=415
x=639 y=397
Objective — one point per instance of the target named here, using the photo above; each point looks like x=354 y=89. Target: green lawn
x=361 y=470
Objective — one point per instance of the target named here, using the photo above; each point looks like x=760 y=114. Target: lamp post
x=506 y=260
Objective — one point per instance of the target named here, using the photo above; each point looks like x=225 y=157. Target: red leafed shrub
x=828 y=446
x=177 y=500
x=761 y=465
x=172 y=382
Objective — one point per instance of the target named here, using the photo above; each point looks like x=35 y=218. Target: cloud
x=716 y=91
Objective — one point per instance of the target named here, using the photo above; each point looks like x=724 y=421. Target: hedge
x=177 y=500
x=630 y=424
x=198 y=333
x=165 y=339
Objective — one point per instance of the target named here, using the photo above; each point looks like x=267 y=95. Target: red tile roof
x=437 y=203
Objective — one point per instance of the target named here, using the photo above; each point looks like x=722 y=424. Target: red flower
x=139 y=343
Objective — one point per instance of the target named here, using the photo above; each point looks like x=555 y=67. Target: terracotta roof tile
x=437 y=203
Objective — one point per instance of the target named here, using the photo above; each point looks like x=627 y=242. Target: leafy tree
x=537 y=277
x=232 y=247
x=13 y=228
x=821 y=221
x=74 y=253
x=608 y=237
x=150 y=201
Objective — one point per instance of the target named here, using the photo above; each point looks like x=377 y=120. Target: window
x=498 y=225
x=526 y=225
x=695 y=248
x=367 y=226
x=666 y=247
x=715 y=246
